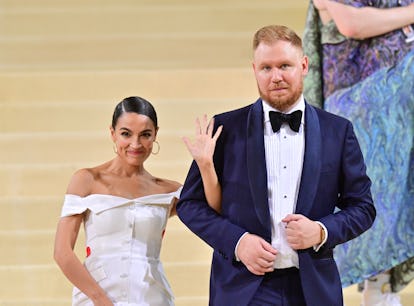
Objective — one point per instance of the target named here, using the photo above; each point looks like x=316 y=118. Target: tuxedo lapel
x=311 y=162
x=256 y=163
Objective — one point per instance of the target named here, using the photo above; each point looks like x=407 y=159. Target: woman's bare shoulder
x=84 y=180
x=169 y=185
x=81 y=182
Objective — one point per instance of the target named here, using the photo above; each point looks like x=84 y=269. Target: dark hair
x=136 y=105
x=273 y=33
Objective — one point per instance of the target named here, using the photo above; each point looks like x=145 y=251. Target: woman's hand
x=202 y=148
x=103 y=301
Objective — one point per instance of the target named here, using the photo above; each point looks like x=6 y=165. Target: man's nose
x=276 y=75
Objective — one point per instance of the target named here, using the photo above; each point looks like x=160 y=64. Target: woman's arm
x=202 y=150
x=69 y=263
x=364 y=22
x=65 y=240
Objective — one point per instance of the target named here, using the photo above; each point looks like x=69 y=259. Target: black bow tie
x=293 y=119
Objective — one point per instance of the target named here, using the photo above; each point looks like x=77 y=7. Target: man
x=281 y=184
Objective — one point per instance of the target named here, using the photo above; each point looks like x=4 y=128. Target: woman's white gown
x=123 y=243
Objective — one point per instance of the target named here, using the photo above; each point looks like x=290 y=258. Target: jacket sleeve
x=357 y=212
x=200 y=218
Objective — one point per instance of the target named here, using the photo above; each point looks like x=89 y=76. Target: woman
x=362 y=67
x=124 y=209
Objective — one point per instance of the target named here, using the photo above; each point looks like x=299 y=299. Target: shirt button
x=124 y=275
x=285 y=196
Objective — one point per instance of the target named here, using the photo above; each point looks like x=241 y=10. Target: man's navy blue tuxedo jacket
x=333 y=176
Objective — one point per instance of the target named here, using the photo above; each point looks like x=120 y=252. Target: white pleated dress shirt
x=284 y=160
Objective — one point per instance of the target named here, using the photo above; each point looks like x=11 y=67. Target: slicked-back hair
x=136 y=105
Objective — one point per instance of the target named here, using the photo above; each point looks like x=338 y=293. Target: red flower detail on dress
x=88 y=251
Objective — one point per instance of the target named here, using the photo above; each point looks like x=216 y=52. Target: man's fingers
x=266 y=264
x=292 y=217
x=260 y=269
x=268 y=248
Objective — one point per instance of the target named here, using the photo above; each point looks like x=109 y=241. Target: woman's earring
x=115 y=148
x=158 y=151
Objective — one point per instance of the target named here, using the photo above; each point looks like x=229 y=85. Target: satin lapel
x=311 y=162
x=256 y=163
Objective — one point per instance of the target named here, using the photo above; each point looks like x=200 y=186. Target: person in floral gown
x=362 y=67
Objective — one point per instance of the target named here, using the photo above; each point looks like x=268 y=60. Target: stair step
x=23 y=5
x=86 y=19
x=181 y=34
x=41 y=213
x=109 y=87
x=86 y=147
x=47 y=281
x=179 y=301
x=30 y=213
x=141 y=53
x=35 y=247
x=96 y=116
x=51 y=179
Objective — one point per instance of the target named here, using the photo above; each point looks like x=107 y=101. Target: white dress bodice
x=123 y=244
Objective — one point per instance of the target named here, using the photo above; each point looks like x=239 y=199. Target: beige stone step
x=189 y=283
x=55 y=148
x=139 y=53
x=24 y=5
x=46 y=282
x=27 y=247
x=37 y=283
x=117 y=18
x=51 y=180
x=179 y=301
x=29 y=213
x=41 y=213
x=28 y=264
x=94 y=116
x=109 y=87
x=157 y=35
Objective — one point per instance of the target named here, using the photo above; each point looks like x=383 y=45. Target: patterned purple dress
x=371 y=82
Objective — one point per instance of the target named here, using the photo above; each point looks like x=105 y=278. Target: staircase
x=64 y=65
